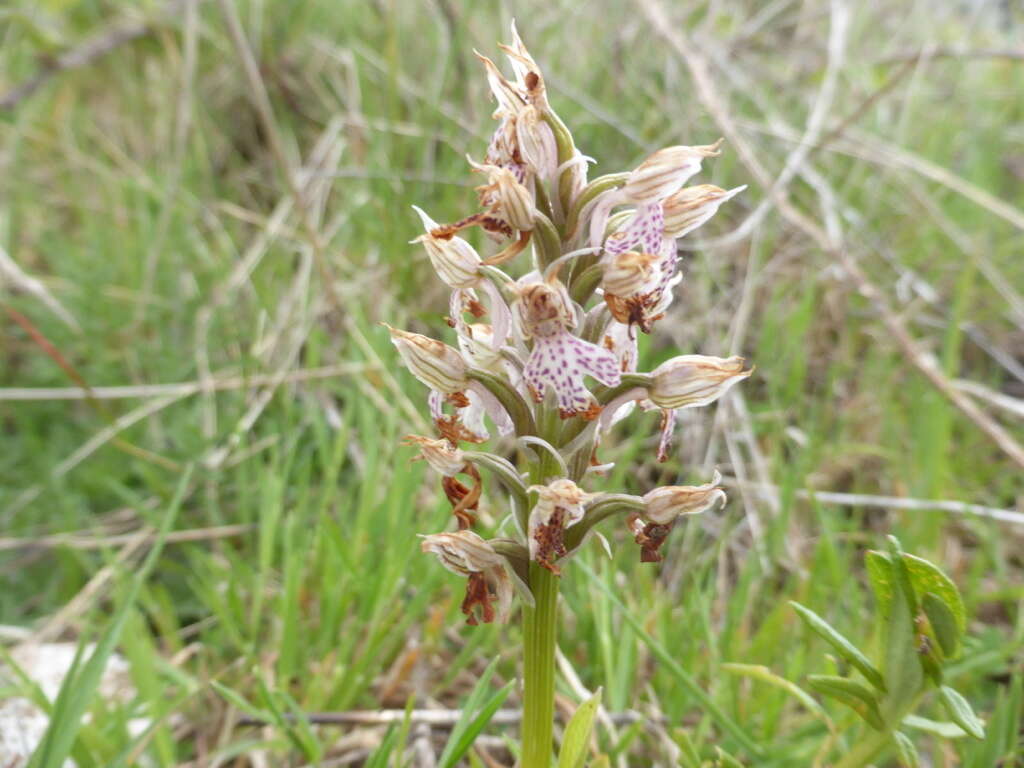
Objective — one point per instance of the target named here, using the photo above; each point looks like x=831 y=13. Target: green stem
x=868 y=749
x=540 y=625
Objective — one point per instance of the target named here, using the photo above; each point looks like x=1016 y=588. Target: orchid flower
x=664 y=506
x=447 y=459
x=559 y=506
x=458 y=265
x=691 y=381
x=464 y=553
x=559 y=359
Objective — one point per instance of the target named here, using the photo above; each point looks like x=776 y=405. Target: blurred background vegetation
x=152 y=249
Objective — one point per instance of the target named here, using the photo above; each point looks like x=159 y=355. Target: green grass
x=136 y=186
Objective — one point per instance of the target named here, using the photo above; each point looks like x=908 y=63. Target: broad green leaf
x=577 y=733
x=765 y=675
x=943 y=623
x=906 y=752
x=960 y=712
x=929 y=649
x=901 y=572
x=903 y=673
x=879 y=568
x=844 y=647
x=857 y=697
x=927 y=577
x=943 y=728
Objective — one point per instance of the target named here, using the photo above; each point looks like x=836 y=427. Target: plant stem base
x=540 y=626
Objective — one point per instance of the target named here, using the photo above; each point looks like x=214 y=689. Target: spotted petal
x=561 y=361
x=643 y=233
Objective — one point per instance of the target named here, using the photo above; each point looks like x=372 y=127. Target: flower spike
x=563 y=337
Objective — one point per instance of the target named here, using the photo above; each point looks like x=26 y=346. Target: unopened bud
x=664 y=505
x=537 y=145
x=434 y=363
x=664 y=172
x=455 y=260
x=439 y=454
x=627 y=273
x=691 y=207
x=692 y=380
x=512 y=200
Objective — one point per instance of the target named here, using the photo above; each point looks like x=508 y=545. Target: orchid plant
x=546 y=355
x=546 y=335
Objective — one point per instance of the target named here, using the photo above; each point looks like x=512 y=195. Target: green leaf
x=879 y=568
x=906 y=752
x=923 y=578
x=689 y=756
x=684 y=678
x=577 y=733
x=474 y=718
x=857 y=697
x=903 y=673
x=960 y=712
x=379 y=758
x=725 y=760
x=943 y=728
x=901 y=571
x=927 y=577
x=765 y=675
x=943 y=623
x=239 y=702
x=843 y=647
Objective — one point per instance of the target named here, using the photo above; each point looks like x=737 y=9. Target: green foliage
x=477 y=711
x=960 y=712
x=80 y=685
x=577 y=733
x=918 y=609
x=906 y=752
x=844 y=647
x=856 y=696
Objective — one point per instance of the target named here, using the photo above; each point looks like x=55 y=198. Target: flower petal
x=668 y=426
x=643 y=233
x=561 y=361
